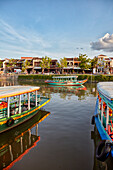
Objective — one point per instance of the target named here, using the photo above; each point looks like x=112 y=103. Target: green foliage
x=63 y=62
x=1 y=63
x=45 y=63
x=32 y=76
x=11 y=64
x=93 y=78
x=94 y=62
x=25 y=65
x=85 y=62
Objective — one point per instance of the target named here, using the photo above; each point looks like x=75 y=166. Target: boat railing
x=105 y=110
x=14 y=105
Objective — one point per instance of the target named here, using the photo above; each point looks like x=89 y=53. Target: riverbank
x=90 y=77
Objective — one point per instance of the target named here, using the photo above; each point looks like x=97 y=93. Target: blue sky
x=62 y=28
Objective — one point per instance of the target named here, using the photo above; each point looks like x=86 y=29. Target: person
x=12 y=112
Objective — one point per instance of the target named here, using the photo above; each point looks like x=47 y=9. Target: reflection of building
x=22 y=139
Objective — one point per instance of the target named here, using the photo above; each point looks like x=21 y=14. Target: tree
x=94 y=62
x=45 y=63
x=25 y=65
x=11 y=64
x=63 y=63
x=85 y=62
x=1 y=63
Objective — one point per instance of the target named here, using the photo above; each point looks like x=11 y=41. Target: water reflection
x=18 y=141
x=4 y=83
x=98 y=165
x=66 y=91
x=72 y=109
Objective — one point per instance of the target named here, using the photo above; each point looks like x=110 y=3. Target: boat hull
x=102 y=132
x=77 y=83
x=21 y=118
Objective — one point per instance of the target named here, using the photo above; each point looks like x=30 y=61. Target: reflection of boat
x=65 y=81
x=104 y=120
x=22 y=139
x=18 y=104
x=68 y=88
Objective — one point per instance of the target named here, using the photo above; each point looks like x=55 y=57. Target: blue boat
x=103 y=120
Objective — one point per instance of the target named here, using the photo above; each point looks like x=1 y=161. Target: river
x=66 y=134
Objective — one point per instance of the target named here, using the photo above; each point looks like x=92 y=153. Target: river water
x=66 y=134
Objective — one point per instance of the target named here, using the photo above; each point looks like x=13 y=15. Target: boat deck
x=106 y=89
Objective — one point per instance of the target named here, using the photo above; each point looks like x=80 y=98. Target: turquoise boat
x=18 y=104
x=103 y=120
x=65 y=81
x=22 y=139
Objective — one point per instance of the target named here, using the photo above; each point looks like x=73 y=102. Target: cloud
x=25 y=41
x=105 y=43
x=7 y=31
x=21 y=41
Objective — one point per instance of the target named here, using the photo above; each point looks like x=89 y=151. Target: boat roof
x=10 y=91
x=65 y=77
x=106 y=89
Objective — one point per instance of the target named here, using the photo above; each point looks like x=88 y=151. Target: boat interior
x=14 y=104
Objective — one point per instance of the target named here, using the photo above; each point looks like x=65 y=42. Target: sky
x=56 y=28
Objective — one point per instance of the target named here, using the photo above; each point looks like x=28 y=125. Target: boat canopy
x=10 y=91
x=106 y=89
x=64 y=77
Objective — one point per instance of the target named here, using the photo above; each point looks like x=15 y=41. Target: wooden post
x=21 y=143
x=19 y=103
x=8 y=107
x=102 y=112
x=36 y=98
x=10 y=150
x=107 y=117
x=29 y=137
x=28 y=101
x=37 y=130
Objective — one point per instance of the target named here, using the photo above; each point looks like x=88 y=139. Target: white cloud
x=105 y=43
x=21 y=42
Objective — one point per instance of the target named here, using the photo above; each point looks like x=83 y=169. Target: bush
x=93 y=78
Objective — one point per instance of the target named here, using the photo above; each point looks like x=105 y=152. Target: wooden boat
x=65 y=81
x=103 y=119
x=18 y=104
x=22 y=139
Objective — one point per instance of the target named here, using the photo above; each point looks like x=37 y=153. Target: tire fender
x=103 y=149
x=10 y=122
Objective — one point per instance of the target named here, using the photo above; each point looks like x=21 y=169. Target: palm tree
x=45 y=63
x=94 y=62
x=62 y=64
x=11 y=64
x=25 y=65
x=1 y=64
x=85 y=62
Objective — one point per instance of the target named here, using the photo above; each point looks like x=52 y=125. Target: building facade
x=104 y=64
